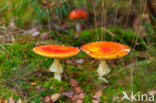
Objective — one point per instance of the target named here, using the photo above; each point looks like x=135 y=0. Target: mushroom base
x=57 y=68
x=104 y=79
x=57 y=76
x=103 y=69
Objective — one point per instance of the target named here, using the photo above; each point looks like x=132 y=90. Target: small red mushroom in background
x=77 y=15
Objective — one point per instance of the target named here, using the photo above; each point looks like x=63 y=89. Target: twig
x=6 y=31
x=49 y=22
x=19 y=89
x=102 y=17
x=57 y=4
x=51 y=5
x=113 y=35
x=139 y=26
x=7 y=81
x=95 y=24
x=116 y=13
x=129 y=11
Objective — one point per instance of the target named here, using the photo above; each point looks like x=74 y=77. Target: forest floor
x=25 y=74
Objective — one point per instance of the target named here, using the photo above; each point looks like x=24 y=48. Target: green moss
x=123 y=36
x=127 y=37
x=19 y=60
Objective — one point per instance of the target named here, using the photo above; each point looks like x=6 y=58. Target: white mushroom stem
x=57 y=68
x=103 y=68
x=104 y=79
x=78 y=27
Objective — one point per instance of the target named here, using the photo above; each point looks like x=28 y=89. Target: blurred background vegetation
x=28 y=23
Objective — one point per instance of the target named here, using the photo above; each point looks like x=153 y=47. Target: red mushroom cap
x=56 y=51
x=78 y=14
x=106 y=50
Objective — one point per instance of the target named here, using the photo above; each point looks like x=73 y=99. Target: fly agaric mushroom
x=57 y=52
x=105 y=50
x=76 y=15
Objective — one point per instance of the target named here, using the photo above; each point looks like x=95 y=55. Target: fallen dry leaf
x=77 y=90
x=96 y=97
x=74 y=83
x=44 y=36
x=152 y=92
x=3 y=101
x=81 y=96
x=19 y=101
x=11 y=100
x=55 y=97
x=69 y=62
x=95 y=101
x=34 y=31
x=76 y=95
x=80 y=61
x=61 y=89
x=74 y=98
x=69 y=93
x=78 y=101
x=47 y=99
x=98 y=94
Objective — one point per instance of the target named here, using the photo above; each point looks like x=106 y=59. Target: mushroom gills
x=103 y=68
x=57 y=68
